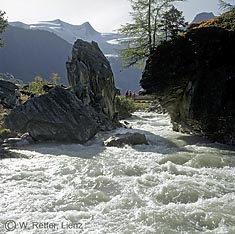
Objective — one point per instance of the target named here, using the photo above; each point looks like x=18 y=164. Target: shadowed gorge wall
x=193 y=76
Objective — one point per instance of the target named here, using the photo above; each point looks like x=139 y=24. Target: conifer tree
x=172 y=22
x=144 y=33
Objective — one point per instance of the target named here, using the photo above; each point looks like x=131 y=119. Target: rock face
x=8 y=94
x=90 y=75
x=193 y=77
x=120 y=140
x=58 y=115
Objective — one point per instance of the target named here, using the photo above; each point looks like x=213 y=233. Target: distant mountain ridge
x=108 y=42
x=71 y=33
x=65 y=30
x=29 y=53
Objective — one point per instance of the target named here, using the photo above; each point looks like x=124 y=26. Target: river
x=176 y=184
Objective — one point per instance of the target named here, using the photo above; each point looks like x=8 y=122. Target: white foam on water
x=176 y=184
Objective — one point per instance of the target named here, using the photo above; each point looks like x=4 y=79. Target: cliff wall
x=193 y=77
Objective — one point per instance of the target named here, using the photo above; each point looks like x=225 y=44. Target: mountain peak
x=203 y=16
x=87 y=24
x=56 y=21
x=88 y=29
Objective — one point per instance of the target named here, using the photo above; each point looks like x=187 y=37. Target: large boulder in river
x=120 y=140
x=90 y=75
x=193 y=77
x=58 y=115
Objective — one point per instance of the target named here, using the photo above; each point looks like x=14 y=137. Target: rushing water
x=176 y=184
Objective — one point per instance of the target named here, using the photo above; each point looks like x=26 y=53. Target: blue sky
x=104 y=15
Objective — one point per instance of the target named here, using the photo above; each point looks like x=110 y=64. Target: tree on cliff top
x=144 y=33
x=172 y=22
x=3 y=25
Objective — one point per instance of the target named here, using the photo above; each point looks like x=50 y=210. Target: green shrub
x=141 y=106
x=55 y=79
x=36 y=86
x=39 y=85
x=4 y=133
x=125 y=104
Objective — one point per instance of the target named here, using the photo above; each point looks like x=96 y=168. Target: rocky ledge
x=193 y=77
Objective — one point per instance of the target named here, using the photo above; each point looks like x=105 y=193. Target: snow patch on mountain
x=108 y=42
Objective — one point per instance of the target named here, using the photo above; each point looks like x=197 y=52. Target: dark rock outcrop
x=72 y=116
x=9 y=96
x=120 y=140
x=193 y=77
x=58 y=115
x=90 y=75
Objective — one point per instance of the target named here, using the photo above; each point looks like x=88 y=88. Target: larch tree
x=144 y=33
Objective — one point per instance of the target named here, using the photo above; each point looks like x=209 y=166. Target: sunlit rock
x=90 y=75
x=120 y=140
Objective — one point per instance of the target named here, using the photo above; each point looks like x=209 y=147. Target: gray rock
x=90 y=75
x=126 y=124
x=9 y=96
x=5 y=153
x=58 y=115
x=120 y=140
x=16 y=142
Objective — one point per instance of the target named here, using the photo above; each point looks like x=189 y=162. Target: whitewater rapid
x=176 y=184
